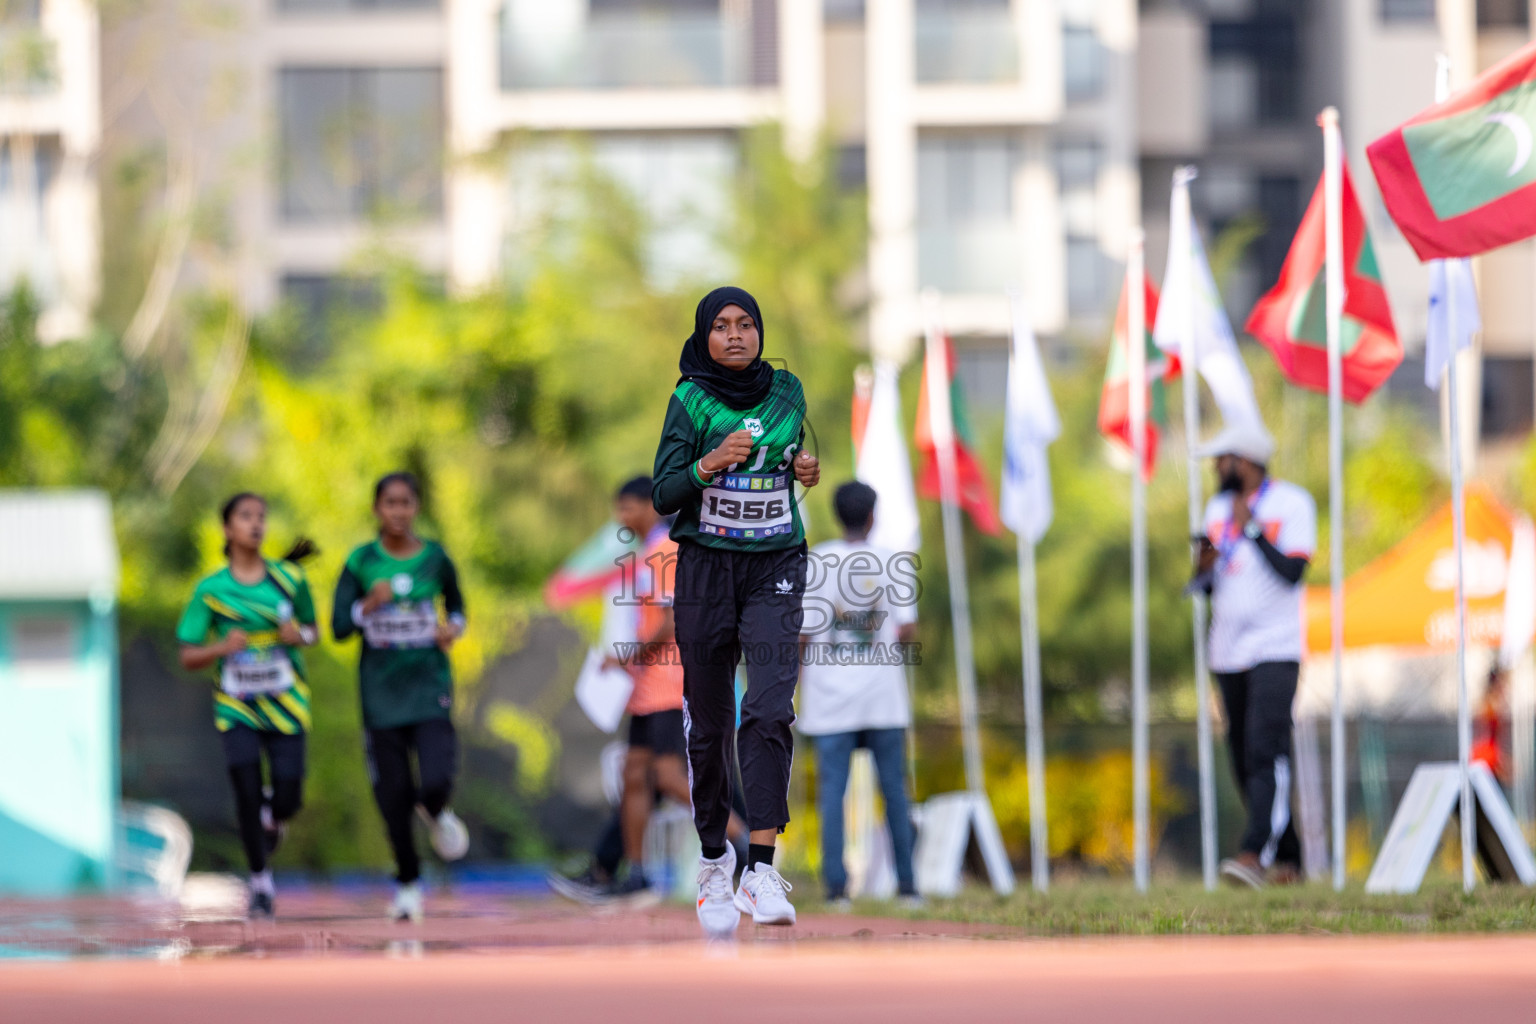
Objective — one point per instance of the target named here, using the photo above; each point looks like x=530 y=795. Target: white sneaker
x=717 y=906
x=449 y=836
x=407 y=905
x=763 y=895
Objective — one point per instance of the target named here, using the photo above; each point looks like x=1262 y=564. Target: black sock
x=759 y=853
x=712 y=852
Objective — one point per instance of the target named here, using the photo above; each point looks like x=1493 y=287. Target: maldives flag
x=975 y=491
x=1291 y=321
x=593 y=568
x=1115 y=399
x=1458 y=178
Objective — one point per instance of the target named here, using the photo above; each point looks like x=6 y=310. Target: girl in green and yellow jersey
x=248 y=622
x=729 y=457
x=390 y=591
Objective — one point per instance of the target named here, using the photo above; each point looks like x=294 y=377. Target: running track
x=554 y=964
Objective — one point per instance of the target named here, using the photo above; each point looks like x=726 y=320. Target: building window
x=28 y=167
x=1503 y=14
x=1082 y=58
x=1407 y=10
x=360 y=142
x=965 y=41
x=966 y=238
x=1088 y=272
x=618 y=44
x=1254 y=66
x=853 y=167
x=680 y=184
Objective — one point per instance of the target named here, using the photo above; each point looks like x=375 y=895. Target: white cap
x=1245 y=439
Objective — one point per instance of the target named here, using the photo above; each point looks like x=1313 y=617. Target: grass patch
x=1181 y=908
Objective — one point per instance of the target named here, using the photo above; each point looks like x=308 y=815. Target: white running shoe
x=449 y=836
x=717 y=906
x=407 y=905
x=763 y=894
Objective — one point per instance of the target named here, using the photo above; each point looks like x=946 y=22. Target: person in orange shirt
x=655 y=765
x=656 y=762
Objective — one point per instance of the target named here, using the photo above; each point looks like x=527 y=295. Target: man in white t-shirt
x=860 y=618
x=1260 y=534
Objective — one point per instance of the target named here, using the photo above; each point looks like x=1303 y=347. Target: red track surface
x=535 y=961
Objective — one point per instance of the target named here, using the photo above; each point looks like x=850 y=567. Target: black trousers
x=396 y=789
x=1258 y=704
x=243 y=747
x=729 y=605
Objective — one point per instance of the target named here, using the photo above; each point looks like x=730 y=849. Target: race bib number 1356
x=749 y=506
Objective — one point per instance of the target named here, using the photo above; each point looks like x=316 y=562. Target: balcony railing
x=680 y=49
x=969 y=47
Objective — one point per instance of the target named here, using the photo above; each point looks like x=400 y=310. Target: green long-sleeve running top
x=403 y=674
x=750 y=506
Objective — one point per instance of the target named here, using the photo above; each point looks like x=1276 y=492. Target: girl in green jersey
x=729 y=457
x=390 y=592
x=248 y=621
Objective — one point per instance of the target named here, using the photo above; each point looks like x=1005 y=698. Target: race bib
x=748 y=506
x=262 y=670
x=402 y=624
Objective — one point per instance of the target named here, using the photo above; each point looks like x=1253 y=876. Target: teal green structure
x=59 y=782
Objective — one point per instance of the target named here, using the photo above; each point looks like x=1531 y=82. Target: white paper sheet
x=603 y=693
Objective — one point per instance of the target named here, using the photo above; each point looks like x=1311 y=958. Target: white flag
x=885 y=466
x=1030 y=425
x=1445 y=275
x=1519 y=594
x=1219 y=361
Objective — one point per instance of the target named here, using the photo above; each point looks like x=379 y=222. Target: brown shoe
x=1283 y=874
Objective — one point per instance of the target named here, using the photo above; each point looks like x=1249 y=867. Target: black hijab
x=739 y=389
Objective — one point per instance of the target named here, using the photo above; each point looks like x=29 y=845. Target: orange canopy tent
x=1407 y=597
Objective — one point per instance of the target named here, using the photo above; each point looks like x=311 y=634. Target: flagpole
x=1333 y=231
x=1459 y=528
x=1189 y=351
x=1136 y=343
x=1034 y=716
x=941 y=426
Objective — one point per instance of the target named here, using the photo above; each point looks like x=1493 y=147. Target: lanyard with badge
x=1226 y=543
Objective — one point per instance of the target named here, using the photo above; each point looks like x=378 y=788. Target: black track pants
x=243 y=748
x=395 y=787
x=1258 y=706
x=729 y=605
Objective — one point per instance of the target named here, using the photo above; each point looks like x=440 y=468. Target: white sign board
x=1432 y=797
x=948 y=823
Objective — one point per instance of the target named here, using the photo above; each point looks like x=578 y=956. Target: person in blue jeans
x=860 y=618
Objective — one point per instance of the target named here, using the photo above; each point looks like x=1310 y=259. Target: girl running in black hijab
x=729 y=458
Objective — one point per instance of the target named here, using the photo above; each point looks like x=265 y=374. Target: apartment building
x=995 y=137
x=50 y=131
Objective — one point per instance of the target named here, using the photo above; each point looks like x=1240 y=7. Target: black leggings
x=243 y=748
x=729 y=606
x=395 y=788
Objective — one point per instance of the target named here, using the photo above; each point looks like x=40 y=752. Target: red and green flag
x=1115 y=399
x=975 y=491
x=1459 y=178
x=1291 y=321
x=592 y=569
